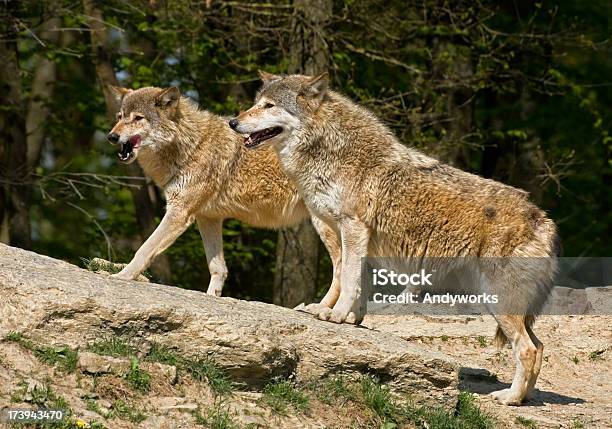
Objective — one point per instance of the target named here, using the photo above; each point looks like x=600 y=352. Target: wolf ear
x=167 y=97
x=267 y=77
x=316 y=87
x=118 y=93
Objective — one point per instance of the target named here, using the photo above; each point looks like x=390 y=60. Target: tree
x=15 y=191
x=297 y=251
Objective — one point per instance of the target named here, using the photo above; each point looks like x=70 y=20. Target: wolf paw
x=121 y=276
x=214 y=290
x=337 y=316
x=507 y=397
x=314 y=308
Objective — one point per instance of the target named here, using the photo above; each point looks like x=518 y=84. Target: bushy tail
x=500 y=339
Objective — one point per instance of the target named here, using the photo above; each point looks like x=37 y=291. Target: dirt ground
x=574 y=389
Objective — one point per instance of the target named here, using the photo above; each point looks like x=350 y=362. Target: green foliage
x=517 y=94
x=125 y=411
x=333 y=390
x=138 y=378
x=112 y=346
x=62 y=356
x=206 y=369
x=378 y=398
x=282 y=394
x=216 y=417
x=524 y=421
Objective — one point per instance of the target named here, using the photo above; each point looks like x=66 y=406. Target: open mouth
x=127 y=152
x=259 y=137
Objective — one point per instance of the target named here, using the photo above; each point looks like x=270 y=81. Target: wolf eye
x=268 y=105
x=138 y=117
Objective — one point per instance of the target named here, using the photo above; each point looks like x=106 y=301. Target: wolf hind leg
x=540 y=354
x=526 y=355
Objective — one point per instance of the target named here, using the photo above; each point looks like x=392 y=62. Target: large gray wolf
x=206 y=174
x=384 y=199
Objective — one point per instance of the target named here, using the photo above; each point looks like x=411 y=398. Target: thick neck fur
x=340 y=125
x=174 y=143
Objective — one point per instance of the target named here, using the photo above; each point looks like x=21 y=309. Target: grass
x=482 y=341
x=378 y=398
x=62 y=356
x=467 y=415
x=575 y=360
x=281 y=394
x=524 y=421
x=596 y=355
x=217 y=417
x=201 y=369
x=206 y=369
x=124 y=411
x=576 y=424
x=333 y=390
x=97 y=264
x=113 y=346
x=162 y=354
x=41 y=396
x=138 y=378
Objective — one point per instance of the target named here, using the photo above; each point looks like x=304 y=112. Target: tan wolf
x=385 y=199
x=207 y=175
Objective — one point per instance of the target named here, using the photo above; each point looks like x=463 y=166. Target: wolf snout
x=233 y=123
x=113 y=137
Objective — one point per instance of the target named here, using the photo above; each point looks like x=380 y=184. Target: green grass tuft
x=281 y=394
x=124 y=411
x=98 y=264
x=64 y=357
x=378 y=398
x=596 y=355
x=482 y=341
x=217 y=417
x=138 y=378
x=333 y=390
x=524 y=421
x=206 y=369
x=113 y=346
x=162 y=354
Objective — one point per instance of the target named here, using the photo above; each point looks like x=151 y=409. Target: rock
x=55 y=302
x=95 y=364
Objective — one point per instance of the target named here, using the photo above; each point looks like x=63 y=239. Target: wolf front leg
x=212 y=236
x=174 y=223
x=350 y=307
x=331 y=240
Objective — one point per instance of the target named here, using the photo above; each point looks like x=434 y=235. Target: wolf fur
x=206 y=174
x=385 y=199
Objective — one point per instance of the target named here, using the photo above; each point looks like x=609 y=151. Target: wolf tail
x=546 y=244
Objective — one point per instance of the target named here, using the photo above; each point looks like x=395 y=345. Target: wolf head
x=146 y=118
x=282 y=105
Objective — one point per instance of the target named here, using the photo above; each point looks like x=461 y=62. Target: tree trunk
x=45 y=74
x=297 y=252
x=145 y=208
x=15 y=175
